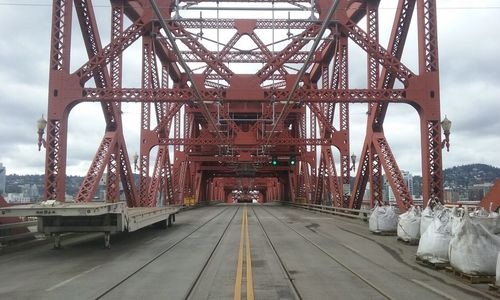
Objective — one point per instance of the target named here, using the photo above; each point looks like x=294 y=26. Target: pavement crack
x=312 y=227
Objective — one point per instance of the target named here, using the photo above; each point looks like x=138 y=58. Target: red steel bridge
x=228 y=110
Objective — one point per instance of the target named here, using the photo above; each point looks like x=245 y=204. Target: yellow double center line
x=244 y=241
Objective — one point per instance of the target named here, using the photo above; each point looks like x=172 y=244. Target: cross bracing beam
x=198 y=97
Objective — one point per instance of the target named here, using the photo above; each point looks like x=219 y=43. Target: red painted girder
x=428 y=48
x=334 y=141
x=92 y=41
x=104 y=56
x=304 y=95
x=101 y=158
x=323 y=56
x=361 y=178
x=195 y=46
x=268 y=54
x=291 y=49
x=226 y=159
x=220 y=55
x=377 y=112
x=255 y=1
x=158 y=173
x=331 y=179
x=224 y=114
x=393 y=173
x=167 y=58
x=432 y=172
x=360 y=37
x=207 y=23
x=320 y=182
x=376 y=178
x=112 y=178
x=164 y=124
x=396 y=44
x=55 y=160
x=126 y=177
x=60 y=46
x=61 y=31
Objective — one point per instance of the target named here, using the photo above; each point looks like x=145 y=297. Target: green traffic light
x=292 y=160
x=274 y=161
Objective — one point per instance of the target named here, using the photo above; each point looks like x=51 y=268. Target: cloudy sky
x=470 y=87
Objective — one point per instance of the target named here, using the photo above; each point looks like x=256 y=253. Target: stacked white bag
x=409 y=225
x=489 y=220
x=427 y=216
x=383 y=219
x=456 y=219
x=434 y=242
x=474 y=249
x=497 y=281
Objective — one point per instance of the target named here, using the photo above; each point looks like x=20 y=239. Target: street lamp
x=353 y=160
x=446 y=125
x=40 y=125
x=136 y=158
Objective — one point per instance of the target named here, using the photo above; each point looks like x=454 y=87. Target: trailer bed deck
x=56 y=217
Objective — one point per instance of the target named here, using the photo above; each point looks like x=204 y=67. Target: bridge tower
x=225 y=92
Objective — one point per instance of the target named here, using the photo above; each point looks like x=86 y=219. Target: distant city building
x=408 y=178
x=18 y=198
x=30 y=190
x=451 y=195
x=478 y=191
x=389 y=194
x=3 y=180
x=29 y=193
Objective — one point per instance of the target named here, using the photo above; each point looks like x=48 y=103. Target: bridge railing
x=6 y=234
x=362 y=214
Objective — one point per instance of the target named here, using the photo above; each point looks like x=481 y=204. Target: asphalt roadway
x=232 y=252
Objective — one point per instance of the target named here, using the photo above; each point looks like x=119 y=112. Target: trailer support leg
x=57 y=241
x=107 y=240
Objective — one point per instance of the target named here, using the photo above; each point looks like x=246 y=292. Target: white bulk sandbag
x=497 y=282
x=481 y=212
x=474 y=249
x=383 y=218
x=489 y=220
x=409 y=225
x=426 y=219
x=456 y=219
x=492 y=224
x=434 y=243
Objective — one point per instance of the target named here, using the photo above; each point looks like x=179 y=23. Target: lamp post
x=353 y=160
x=446 y=125
x=40 y=125
x=136 y=158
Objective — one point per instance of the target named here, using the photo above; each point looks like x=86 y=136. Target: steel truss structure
x=217 y=126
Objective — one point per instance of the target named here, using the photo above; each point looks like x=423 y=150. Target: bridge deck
x=293 y=254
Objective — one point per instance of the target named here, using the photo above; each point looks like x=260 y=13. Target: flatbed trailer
x=55 y=218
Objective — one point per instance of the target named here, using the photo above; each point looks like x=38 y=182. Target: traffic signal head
x=274 y=161
x=292 y=160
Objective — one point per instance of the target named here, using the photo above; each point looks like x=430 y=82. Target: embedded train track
x=416 y=282
x=322 y=250
x=283 y=266
x=167 y=250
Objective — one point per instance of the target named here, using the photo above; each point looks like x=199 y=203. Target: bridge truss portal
x=221 y=97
